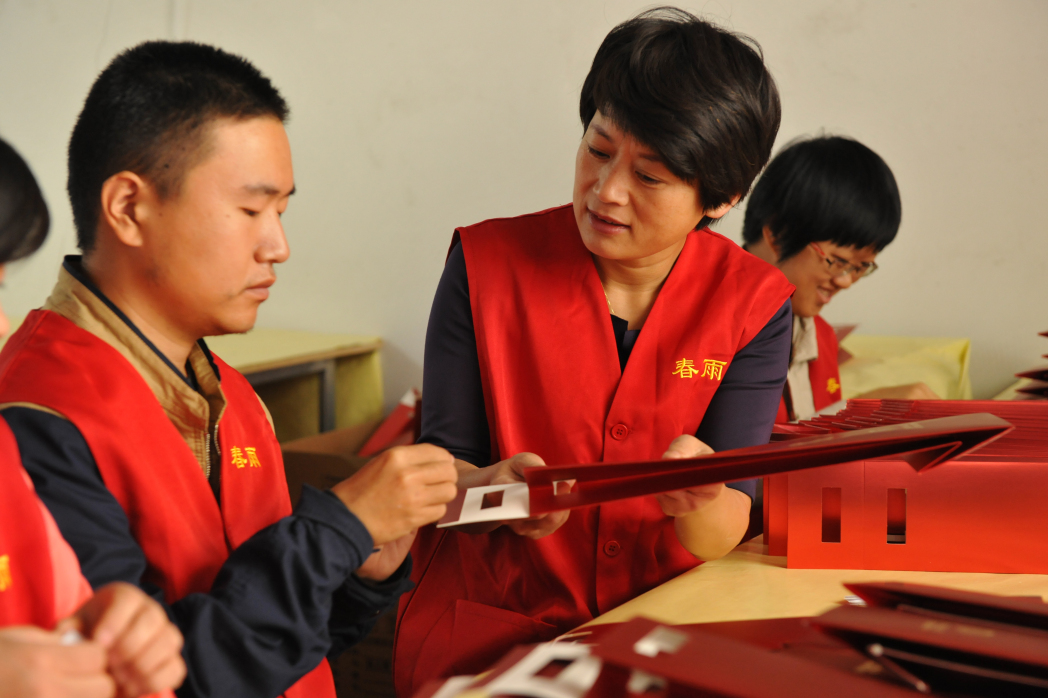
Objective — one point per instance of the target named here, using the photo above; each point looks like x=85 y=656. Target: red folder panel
x=1020 y=612
x=931 y=442
x=699 y=663
x=946 y=654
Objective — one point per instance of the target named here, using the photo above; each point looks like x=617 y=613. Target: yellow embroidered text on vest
x=686 y=368
x=253 y=457
x=832 y=386
x=238 y=457
x=5 y=572
x=713 y=370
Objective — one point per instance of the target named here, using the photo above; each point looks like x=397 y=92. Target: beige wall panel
x=410 y=118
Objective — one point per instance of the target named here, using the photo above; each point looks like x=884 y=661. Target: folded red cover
x=942 y=602
x=929 y=443
x=950 y=653
x=955 y=637
x=1038 y=374
x=700 y=663
x=922 y=444
x=1027 y=442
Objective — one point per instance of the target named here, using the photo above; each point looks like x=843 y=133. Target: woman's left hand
x=709 y=520
x=684 y=502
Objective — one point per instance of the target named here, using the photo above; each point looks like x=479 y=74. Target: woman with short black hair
x=822 y=212
x=614 y=328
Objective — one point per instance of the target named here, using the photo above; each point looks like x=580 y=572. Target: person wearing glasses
x=822 y=212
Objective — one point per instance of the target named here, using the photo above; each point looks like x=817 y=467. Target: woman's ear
x=125 y=196
x=721 y=210
x=769 y=240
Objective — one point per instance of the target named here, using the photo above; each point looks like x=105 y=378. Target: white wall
x=410 y=118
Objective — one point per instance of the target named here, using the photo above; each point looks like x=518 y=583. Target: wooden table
x=746 y=584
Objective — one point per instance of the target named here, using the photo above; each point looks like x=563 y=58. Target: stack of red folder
x=983 y=512
x=909 y=637
x=939 y=639
x=1039 y=376
x=921 y=444
x=645 y=659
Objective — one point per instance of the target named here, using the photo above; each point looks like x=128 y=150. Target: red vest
x=552 y=386
x=26 y=579
x=823 y=372
x=28 y=585
x=145 y=463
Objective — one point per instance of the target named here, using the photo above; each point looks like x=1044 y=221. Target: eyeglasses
x=840 y=267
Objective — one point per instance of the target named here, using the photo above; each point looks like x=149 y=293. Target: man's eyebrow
x=267 y=190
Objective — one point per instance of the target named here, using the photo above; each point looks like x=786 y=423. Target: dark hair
x=147 y=113
x=23 y=213
x=698 y=95
x=825 y=188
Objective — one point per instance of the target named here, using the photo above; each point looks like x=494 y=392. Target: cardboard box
x=324 y=460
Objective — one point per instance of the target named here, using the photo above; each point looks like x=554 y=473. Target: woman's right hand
x=509 y=472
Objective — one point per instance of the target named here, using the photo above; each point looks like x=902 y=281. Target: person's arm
x=358 y=604
x=454 y=416
x=910 y=391
x=453 y=413
x=711 y=520
x=265 y=623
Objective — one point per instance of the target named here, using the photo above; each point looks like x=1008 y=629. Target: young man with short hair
x=179 y=170
x=821 y=212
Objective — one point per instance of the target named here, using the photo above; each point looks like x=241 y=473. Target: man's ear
x=769 y=240
x=126 y=200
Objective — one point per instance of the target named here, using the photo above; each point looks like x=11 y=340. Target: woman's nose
x=612 y=186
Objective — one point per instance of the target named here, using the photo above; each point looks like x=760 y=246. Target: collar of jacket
x=192 y=398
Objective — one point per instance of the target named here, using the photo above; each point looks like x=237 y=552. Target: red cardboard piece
x=398 y=429
x=983 y=511
x=697 y=663
x=598 y=483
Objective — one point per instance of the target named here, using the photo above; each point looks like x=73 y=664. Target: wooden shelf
x=264 y=349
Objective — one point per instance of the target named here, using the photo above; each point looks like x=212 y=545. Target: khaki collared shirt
x=195 y=414
x=805 y=350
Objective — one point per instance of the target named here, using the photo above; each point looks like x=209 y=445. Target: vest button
x=620 y=432
x=612 y=548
